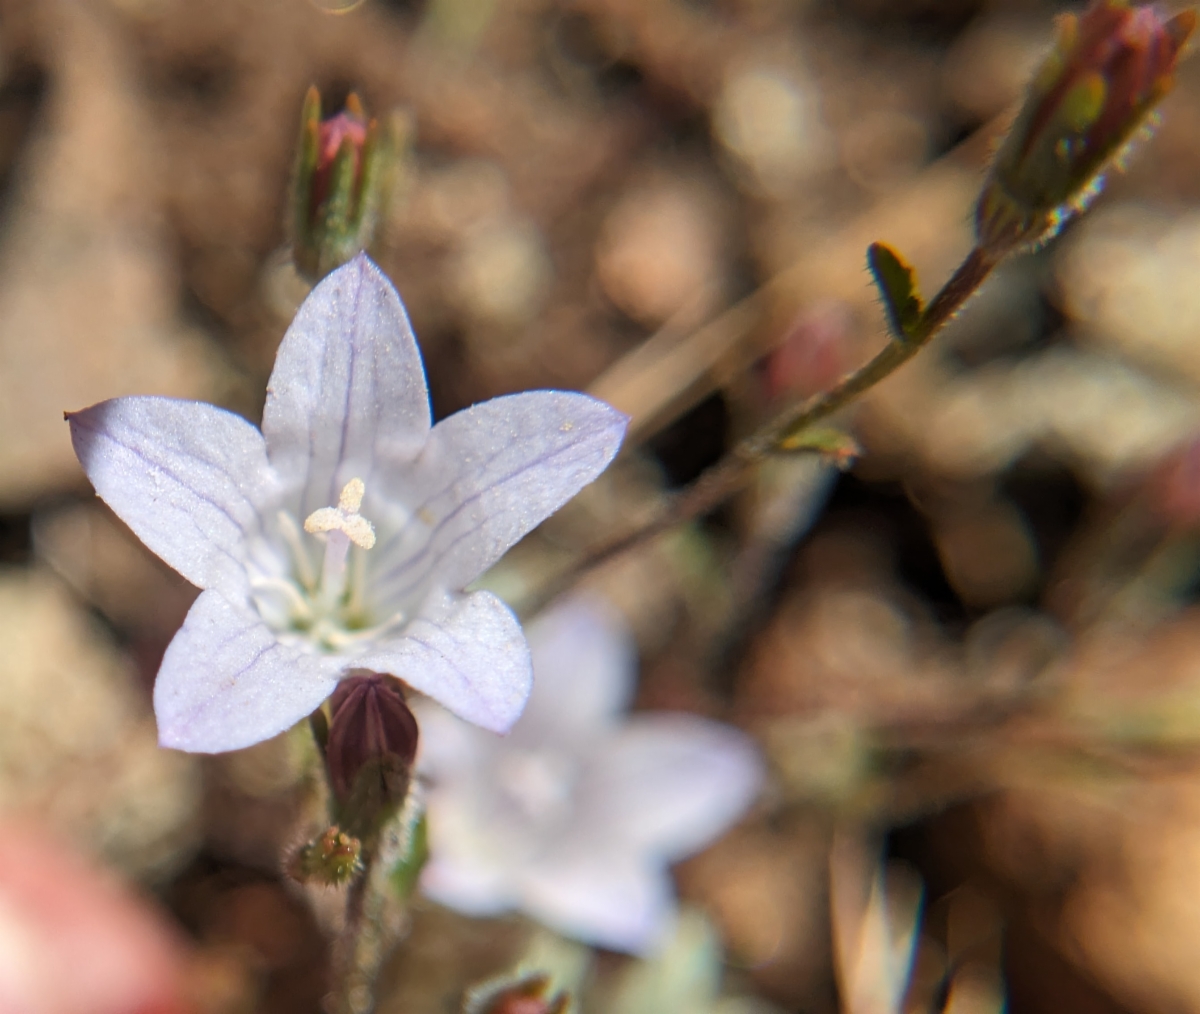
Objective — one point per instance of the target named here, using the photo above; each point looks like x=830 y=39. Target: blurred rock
x=79 y=748
x=663 y=250
x=988 y=552
x=851 y=652
x=73 y=940
x=1128 y=276
x=502 y=272
x=1092 y=411
x=87 y=293
x=768 y=118
x=1099 y=826
x=884 y=149
x=767 y=891
x=1132 y=920
x=106 y=565
x=993 y=60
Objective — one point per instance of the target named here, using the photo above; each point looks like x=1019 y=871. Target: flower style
x=576 y=814
x=341 y=536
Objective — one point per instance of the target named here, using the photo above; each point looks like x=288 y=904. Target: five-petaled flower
x=341 y=537
x=575 y=816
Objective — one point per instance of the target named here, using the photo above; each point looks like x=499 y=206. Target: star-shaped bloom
x=342 y=535
x=575 y=816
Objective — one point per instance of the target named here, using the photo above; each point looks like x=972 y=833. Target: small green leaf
x=408 y=867
x=897 y=284
x=832 y=444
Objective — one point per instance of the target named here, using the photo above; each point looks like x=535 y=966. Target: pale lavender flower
x=342 y=535
x=575 y=816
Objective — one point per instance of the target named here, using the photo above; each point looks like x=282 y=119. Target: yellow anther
x=344 y=517
x=352 y=496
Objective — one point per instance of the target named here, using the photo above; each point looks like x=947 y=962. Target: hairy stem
x=736 y=469
x=357 y=953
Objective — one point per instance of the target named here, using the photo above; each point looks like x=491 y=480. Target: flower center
x=341 y=525
x=539 y=783
x=326 y=610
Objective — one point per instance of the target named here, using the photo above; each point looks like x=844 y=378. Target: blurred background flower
x=575 y=815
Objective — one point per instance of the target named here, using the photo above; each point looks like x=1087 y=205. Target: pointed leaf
x=897 y=284
x=832 y=444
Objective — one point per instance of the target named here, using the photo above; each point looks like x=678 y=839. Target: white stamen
x=290 y=531
x=299 y=606
x=341 y=525
x=344 y=517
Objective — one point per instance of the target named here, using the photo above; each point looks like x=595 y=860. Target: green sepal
x=832 y=444
x=897 y=283
x=335 y=219
x=384 y=153
x=379 y=791
x=407 y=869
x=302 y=176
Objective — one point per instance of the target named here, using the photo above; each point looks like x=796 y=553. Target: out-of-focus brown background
x=976 y=650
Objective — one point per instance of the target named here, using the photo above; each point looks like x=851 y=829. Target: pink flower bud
x=345 y=171
x=349 y=128
x=1094 y=94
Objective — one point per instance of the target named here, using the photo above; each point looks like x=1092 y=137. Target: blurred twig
x=735 y=469
x=669 y=373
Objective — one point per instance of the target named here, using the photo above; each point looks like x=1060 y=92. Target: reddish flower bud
x=347 y=129
x=1094 y=94
x=343 y=181
x=530 y=995
x=370 y=750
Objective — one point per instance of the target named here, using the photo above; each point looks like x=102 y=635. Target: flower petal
x=448 y=747
x=489 y=475
x=670 y=783
x=600 y=897
x=474 y=890
x=469 y=868
x=227 y=682
x=348 y=388
x=583 y=666
x=185 y=476
x=468 y=654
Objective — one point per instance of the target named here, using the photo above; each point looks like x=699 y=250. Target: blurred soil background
x=975 y=650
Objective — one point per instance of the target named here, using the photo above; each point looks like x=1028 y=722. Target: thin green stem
x=735 y=470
